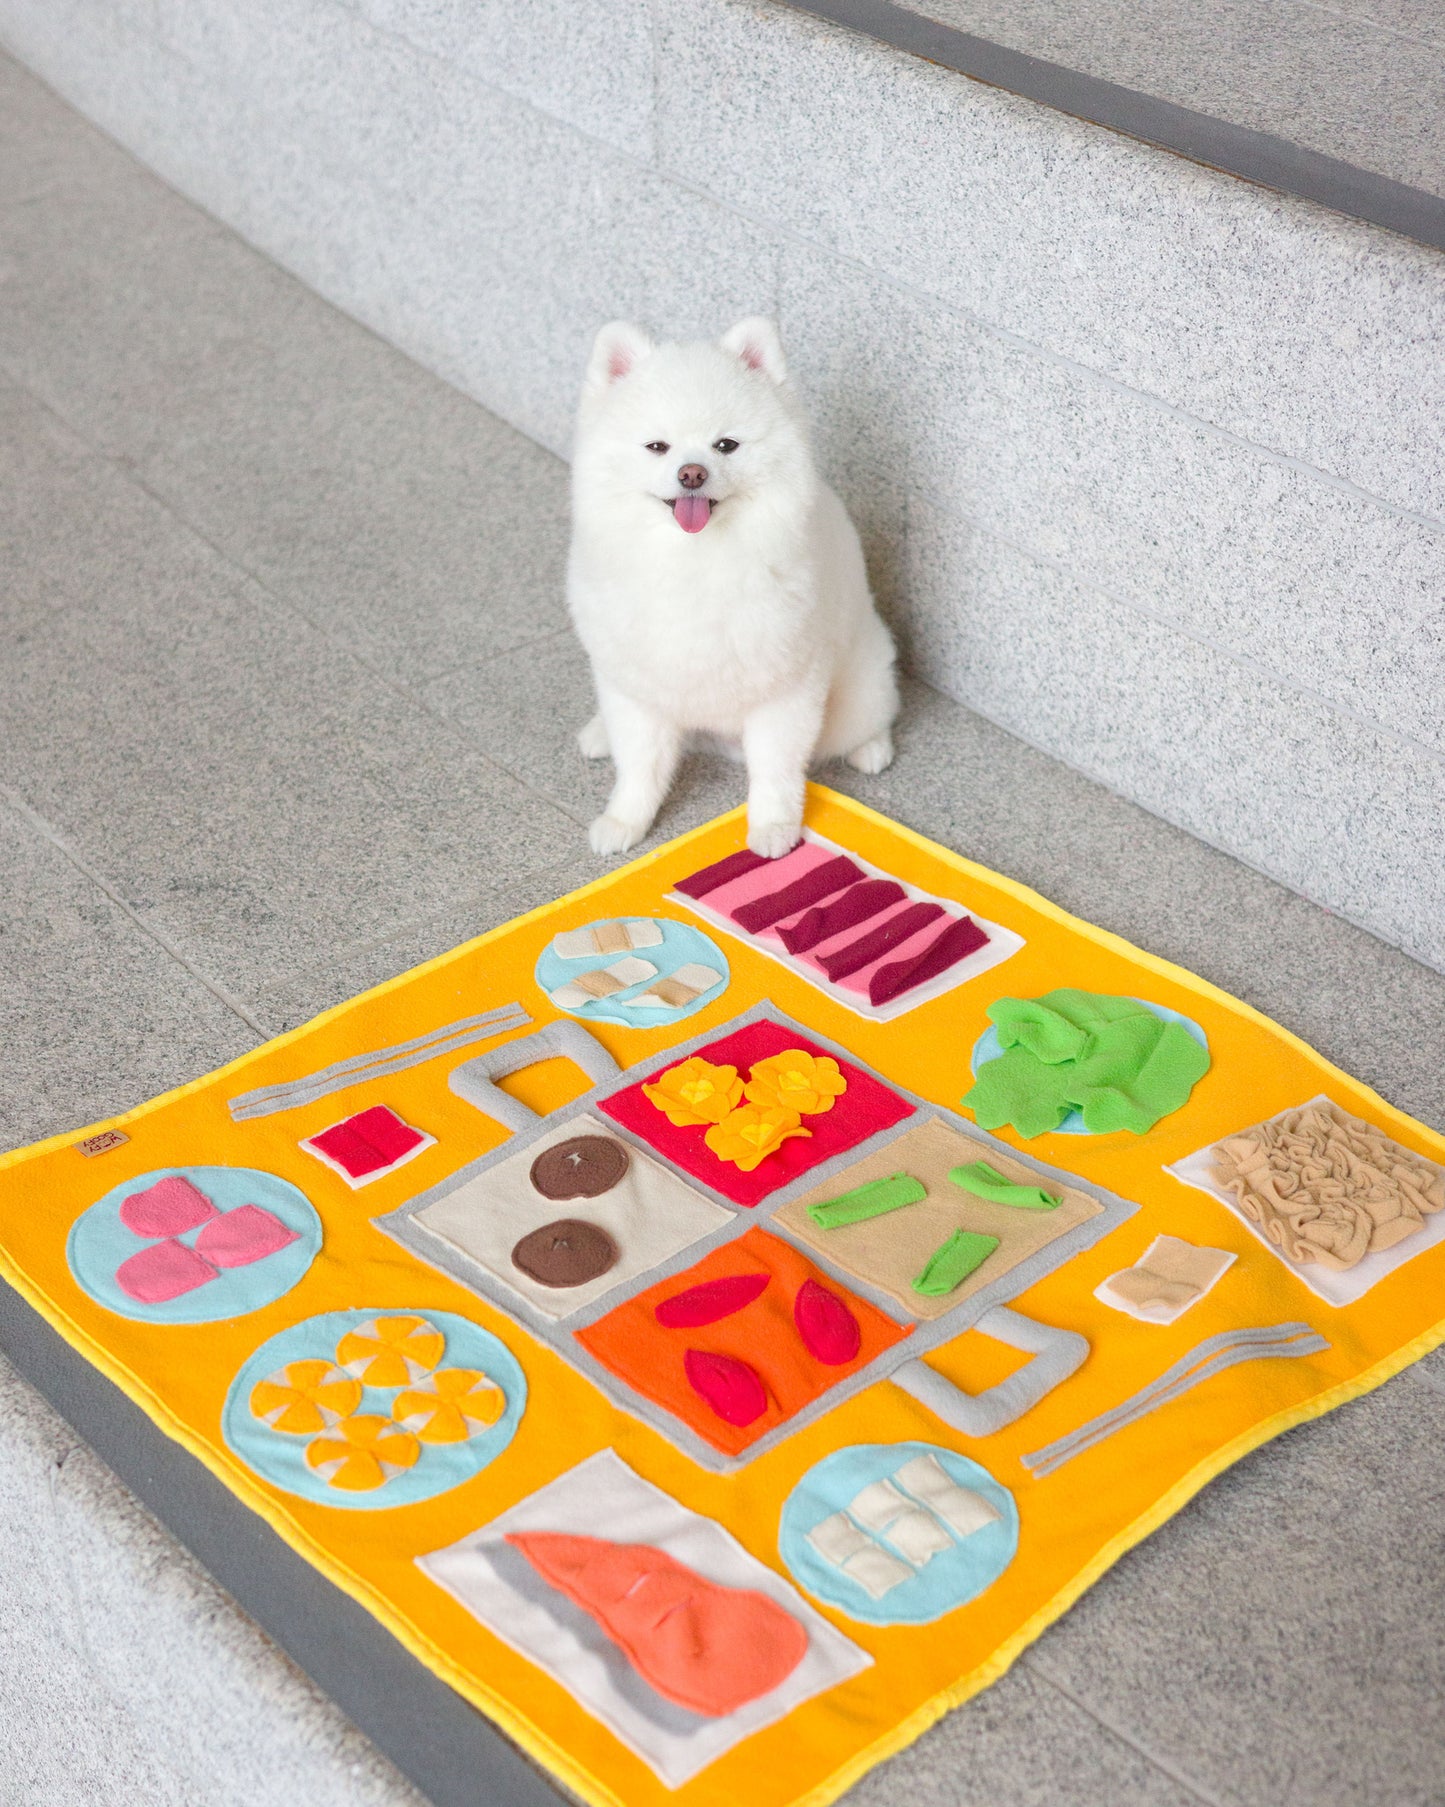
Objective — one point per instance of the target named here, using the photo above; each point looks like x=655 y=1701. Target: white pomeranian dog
x=716 y=582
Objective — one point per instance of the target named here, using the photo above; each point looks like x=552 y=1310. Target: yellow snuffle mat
x=700 y=1426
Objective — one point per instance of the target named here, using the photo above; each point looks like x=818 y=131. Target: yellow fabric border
x=518 y=1724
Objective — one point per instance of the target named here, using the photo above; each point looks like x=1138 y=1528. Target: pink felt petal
x=242 y=1236
x=169 y=1208
x=163 y=1271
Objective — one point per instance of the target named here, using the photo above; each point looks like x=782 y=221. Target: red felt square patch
x=367 y=1143
x=743 y=1340
x=865 y=1108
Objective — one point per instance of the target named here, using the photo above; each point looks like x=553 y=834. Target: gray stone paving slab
x=1282 y=1642
x=249 y=779
x=320 y=461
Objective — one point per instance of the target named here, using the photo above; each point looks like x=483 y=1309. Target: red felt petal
x=827 y=1327
x=712 y=1300
x=169 y=1208
x=729 y=1386
x=162 y=1272
x=247 y=1234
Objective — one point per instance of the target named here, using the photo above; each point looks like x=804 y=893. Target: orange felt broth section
x=632 y=1343
x=1073 y=1523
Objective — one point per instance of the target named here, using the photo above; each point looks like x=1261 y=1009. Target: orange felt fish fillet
x=705 y=1647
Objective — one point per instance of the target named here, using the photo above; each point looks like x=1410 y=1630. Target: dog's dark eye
x=725 y=446
x=657 y=445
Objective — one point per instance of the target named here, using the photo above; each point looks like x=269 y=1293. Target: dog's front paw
x=773 y=839
x=874 y=755
x=592 y=740
x=610 y=834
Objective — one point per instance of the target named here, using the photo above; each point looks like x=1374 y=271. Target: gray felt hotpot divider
x=1056 y=1353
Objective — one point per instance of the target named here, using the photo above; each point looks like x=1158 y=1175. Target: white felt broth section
x=603 y=1497
x=1334 y=1288
x=650 y=1214
x=1002 y=943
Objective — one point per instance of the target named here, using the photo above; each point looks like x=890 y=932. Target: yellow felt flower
x=304 y=1397
x=695 y=1092
x=391 y=1352
x=752 y=1132
x=362 y=1453
x=796 y=1081
x=449 y=1406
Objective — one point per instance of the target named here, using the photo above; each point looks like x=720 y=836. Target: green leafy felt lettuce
x=1109 y=1058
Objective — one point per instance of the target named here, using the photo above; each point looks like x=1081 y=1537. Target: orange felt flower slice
x=305 y=1397
x=695 y=1092
x=796 y=1081
x=362 y=1453
x=451 y=1406
x=391 y=1352
x=750 y=1134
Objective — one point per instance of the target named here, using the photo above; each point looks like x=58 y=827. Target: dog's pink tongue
x=693 y=513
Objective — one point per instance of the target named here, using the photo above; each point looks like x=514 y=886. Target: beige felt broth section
x=650 y=1214
x=892 y=1250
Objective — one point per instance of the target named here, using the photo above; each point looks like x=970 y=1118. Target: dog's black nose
x=692 y=476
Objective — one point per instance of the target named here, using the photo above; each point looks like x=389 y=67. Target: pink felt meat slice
x=239 y=1237
x=163 y=1271
x=957 y=942
x=169 y=1208
x=811 y=888
x=880 y=941
x=768 y=876
x=736 y=865
x=851 y=910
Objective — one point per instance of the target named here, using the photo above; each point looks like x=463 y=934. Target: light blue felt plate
x=949 y=1580
x=99 y=1242
x=281 y=1458
x=987 y=1048
x=682 y=945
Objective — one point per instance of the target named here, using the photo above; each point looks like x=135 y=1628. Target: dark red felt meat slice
x=712 y=878
x=811 y=888
x=712 y=1300
x=957 y=941
x=828 y=1329
x=855 y=906
x=729 y=1386
x=879 y=941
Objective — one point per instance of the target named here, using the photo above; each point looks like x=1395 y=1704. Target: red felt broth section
x=957 y=942
x=736 y=865
x=857 y=904
x=865 y=1108
x=812 y=888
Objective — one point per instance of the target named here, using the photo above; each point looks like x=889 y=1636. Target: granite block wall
x=1150 y=463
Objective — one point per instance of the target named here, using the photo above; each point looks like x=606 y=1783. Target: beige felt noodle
x=892 y=1250
x=619 y=936
x=960 y=1507
x=679 y=988
x=602 y=982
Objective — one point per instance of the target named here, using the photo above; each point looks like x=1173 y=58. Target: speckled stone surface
x=1336 y=79
x=238 y=525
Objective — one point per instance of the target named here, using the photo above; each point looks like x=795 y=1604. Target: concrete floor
x=286 y=704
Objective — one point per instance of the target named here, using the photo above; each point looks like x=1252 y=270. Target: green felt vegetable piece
x=871 y=1200
x=1130 y=1069
x=953 y=1262
x=989 y=1183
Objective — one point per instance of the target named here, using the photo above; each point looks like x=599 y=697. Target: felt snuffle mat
x=717 y=1320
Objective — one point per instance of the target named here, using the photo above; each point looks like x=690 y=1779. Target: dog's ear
x=756 y=342
x=618 y=349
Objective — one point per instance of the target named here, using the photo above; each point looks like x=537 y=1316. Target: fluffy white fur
x=759 y=628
